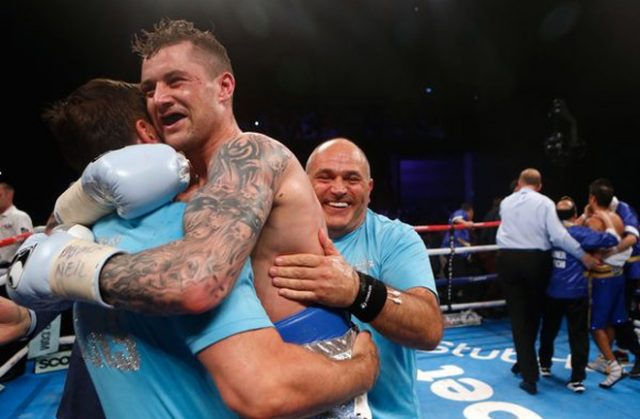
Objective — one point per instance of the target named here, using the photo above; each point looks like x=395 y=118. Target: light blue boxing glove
x=133 y=181
x=48 y=271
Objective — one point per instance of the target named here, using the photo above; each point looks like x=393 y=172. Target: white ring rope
x=461 y=250
x=479 y=304
x=450 y=251
x=64 y=340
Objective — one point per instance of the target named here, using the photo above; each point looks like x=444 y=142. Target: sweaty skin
x=257 y=193
x=291 y=226
x=597 y=221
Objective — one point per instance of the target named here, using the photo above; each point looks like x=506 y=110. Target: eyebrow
x=147 y=84
x=343 y=174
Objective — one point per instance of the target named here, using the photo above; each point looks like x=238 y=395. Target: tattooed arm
x=222 y=225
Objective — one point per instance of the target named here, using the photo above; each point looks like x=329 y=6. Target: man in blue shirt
x=461 y=216
x=625 y=334
x=567 y=294
x=529 y=228
x=383 y=276
x=461 y=264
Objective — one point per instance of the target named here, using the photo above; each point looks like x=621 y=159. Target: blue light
x=428 y=90
x=256 y=123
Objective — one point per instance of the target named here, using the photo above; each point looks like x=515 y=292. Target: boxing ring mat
x=467 y=376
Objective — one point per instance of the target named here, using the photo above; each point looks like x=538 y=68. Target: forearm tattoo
x=222 y=224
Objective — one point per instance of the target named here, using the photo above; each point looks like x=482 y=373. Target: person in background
x=567 y=294
x=608 y=281
x=459 y=238
x=461 y=264
x=529 y=229
x=625 y=336
x=12 y=223
x=463 y=216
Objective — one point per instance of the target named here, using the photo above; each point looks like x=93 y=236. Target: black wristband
x=372 y=295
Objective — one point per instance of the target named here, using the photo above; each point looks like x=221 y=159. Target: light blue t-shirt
x=145 y=366
x=394 y=253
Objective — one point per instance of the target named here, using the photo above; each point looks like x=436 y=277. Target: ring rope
x=449 y=281
x=479 y=304
x=465 y=249
x=452 y=250
x=15 y=239
x=445 y=227
x=4 y=368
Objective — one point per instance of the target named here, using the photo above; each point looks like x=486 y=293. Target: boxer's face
x=183 y=96
x=342 y=184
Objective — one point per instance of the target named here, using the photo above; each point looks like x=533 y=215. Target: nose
x=338 y=186
x=161 y=96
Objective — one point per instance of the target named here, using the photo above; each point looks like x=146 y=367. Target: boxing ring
x=466 y=376
x=461 y=313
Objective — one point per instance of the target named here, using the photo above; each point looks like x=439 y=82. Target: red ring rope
x=11 y=240
x=420 y=229
x=445 y=227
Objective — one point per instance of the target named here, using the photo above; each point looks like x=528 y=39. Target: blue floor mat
x=467 y=376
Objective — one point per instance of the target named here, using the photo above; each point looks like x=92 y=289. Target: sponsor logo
x=54 y=362
x=477 y=399
x=47 y=341
x=473 y=391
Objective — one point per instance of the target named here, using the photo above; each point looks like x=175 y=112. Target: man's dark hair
x=169 y=32
x=566 y=212
x=602 y=190
x=97 y=117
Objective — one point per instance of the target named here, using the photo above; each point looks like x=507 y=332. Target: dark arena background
x=450 y=100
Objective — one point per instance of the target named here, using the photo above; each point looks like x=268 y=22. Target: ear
x=147 y=134
x=370 y=185
x=227 y=85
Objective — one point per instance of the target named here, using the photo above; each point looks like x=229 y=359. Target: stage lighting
x=563 y=145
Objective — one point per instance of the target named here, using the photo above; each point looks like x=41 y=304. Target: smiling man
x=383 y=277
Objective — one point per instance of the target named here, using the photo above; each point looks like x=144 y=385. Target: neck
x=201 y=157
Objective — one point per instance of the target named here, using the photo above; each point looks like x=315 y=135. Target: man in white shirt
x=529 y=229
x=12 y=222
